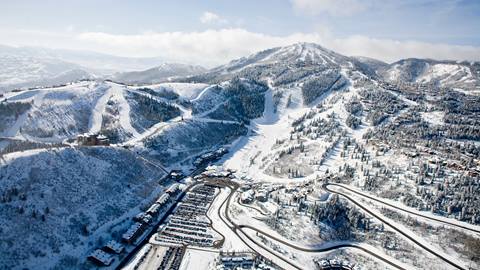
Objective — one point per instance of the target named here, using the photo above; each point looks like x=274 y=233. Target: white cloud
x=210 y=18
x=333 y=7
x=214 y=47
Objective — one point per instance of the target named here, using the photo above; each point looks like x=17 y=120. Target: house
x=154 y=209
x=100 y=257
x=91 y=139
x=173 y=189
x=163 y=199
x=147 y=219
x=262 y=196
x=114 y=247
x=139 y=216
x=176 y=175
x=247 y=196
x=133 y=232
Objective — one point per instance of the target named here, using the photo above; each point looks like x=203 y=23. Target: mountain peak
x=302 y=52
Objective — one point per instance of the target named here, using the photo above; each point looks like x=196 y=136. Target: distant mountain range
x=26 y=67
x=161 y=73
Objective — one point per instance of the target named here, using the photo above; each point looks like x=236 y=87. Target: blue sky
x=209 y=31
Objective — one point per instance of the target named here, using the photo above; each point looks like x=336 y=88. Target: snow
x=435 y=118
x=95 y=123
x=425 y=213
x=261 y=138
x=188 y=91
x=86 y=186
x=202 y=93
x=198 y=259
x=125 y=120
x=411 y=234
x=232 y=242
x=444 y=72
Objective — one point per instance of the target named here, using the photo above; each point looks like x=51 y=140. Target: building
x=162 y=200
x=147 y=219
x=176 y=175
x=247 y=196
x=154 y=209
x=233 y=260
x=133 y=232
x=114 y=247
x=328 y=264
x=173 y=189
x=261 y=196
x=91 y=139
x=100 y=257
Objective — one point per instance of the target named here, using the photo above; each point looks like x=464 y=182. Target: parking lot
x=189 y=224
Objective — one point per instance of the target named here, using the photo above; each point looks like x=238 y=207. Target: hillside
x=65 y=201
x=299 y=115
x=164 y=72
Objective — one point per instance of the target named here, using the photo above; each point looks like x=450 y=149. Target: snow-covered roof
x=102 y=257
x=132 y=230
x=115 y=246
x=172 y=188
x=154 y=208
x=163 y=199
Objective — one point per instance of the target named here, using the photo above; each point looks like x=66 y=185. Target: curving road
x=405 y=210
x=236 y=227
x=391 y=225
x=320 y=250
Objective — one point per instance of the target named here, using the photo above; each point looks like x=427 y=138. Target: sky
x=212 y=32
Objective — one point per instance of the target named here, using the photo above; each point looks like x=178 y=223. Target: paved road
x=241 y=228
x=406 y=210
x=379 y=217
x=234 y=227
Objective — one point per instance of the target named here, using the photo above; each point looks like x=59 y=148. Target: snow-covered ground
x=68 y=201
x=198 y=259
x=291 y=143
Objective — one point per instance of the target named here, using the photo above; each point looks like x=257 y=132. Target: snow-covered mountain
x=164 y=72
x=18 y=71
x=297 y=62
x=26 y=67
x=444 y=73
x=99 y=62
x=288 y=114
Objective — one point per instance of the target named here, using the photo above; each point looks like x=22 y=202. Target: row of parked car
x=188 y=224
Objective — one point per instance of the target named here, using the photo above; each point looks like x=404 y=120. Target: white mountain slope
x=294 y=56
x=60 y=113
x=464 y=75
x=164 y=72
